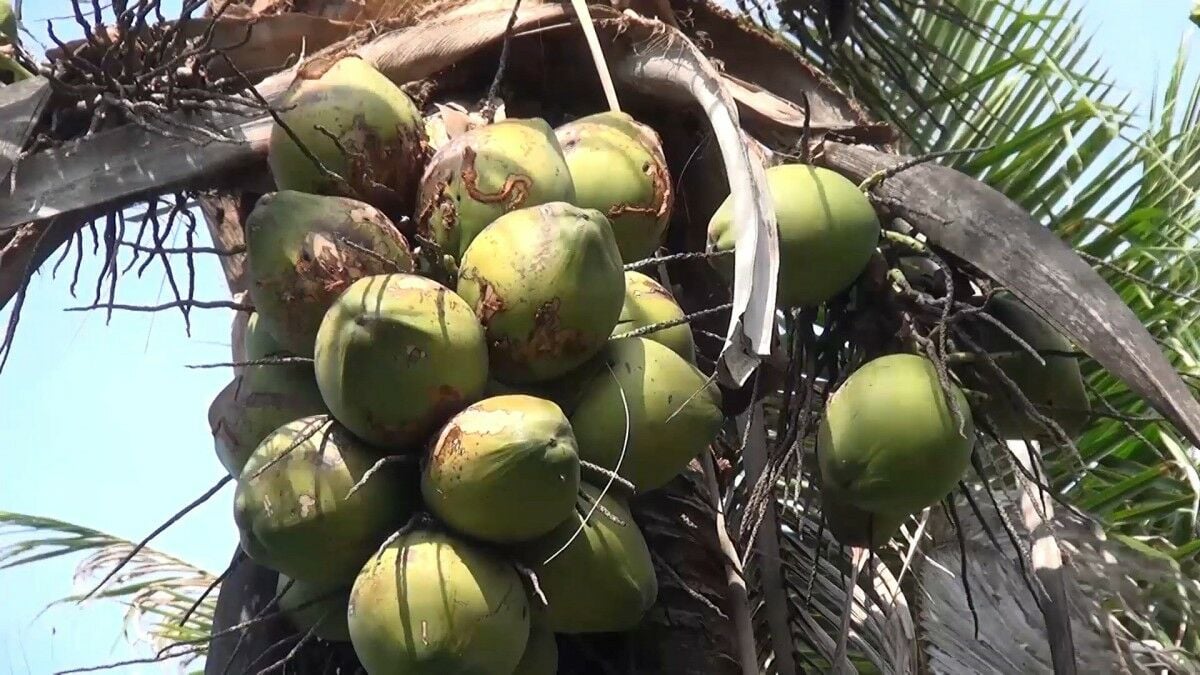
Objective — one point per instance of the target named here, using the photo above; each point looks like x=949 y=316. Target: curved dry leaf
x=662 y=61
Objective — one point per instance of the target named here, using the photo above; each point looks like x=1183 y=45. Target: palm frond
x=166 y=599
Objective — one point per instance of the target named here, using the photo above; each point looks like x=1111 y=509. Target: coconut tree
x=988 y=98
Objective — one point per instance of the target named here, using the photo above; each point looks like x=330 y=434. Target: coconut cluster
x=897 y=436
x=439 y=406
x=464 y=411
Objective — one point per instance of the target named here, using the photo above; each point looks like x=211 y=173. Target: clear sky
x=103 y=426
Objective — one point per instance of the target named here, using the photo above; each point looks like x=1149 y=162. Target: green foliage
x=1021 y=84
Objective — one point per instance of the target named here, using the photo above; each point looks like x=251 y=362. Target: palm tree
x=1009 y=93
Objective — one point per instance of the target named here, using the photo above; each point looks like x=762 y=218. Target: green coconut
x=8 y=24
x=304 y=250
x=433 y=604
x=503 y=470
x=261 y=399
x=316 y=609
x=647 y=303
x=541 y=650
x=827 y=232
x=603 y=580
x=292 y=506
x=487 y=172
x=618 y=168
x=547 y=284
x=855 y=527
x=674 y=412
x=1055 y=388
x=889 y=440
x=379 y=150
x=396 y=356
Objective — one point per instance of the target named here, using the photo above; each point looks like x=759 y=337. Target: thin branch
x=199 y=304
x=157 y=531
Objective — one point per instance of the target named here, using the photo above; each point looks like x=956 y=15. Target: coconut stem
x=675 y=257
x=880 y=176
x=268 y=361
x=611 y=475
x=911 y=243
x=533 y=582
x=663 y=325
x=191 y=304
x=394 y=459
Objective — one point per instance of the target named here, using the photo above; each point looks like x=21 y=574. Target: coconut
x=547 y=284
x=619 y=169
x=827 y=232
x=647 y=303
x=8 y=24
x=853 y=526
x=379 y=150
x=261 y=399
x=503 y=470
x=292 y=506
x=603 y=580
x=433 y=604
x=541 y=650
x=315 y=609
x=650 y=403
x=487 y=172
x=396 y=356
x=889 y=440
x=304 y=250
x=1055 y=388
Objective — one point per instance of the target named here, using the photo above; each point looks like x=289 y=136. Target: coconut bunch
x=454 y=387
x=897 y=435
x=441 y=422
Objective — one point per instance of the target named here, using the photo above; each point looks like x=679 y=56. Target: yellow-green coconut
x=316 y=609
x=547 y=284
x=293 y=506
x=650 y=403
x=541 y=650
x=503 y=470
x=303 y=250
x=396 y=356
x=618 y=168
x=852 y=526
x=648 y=303
x=359 y=125
x=487 y=172
x=433 y=604
x=1055 y=388
x=603 y=580
x=261 y=399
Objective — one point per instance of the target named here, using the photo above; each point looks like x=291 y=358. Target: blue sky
x=104 y=426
